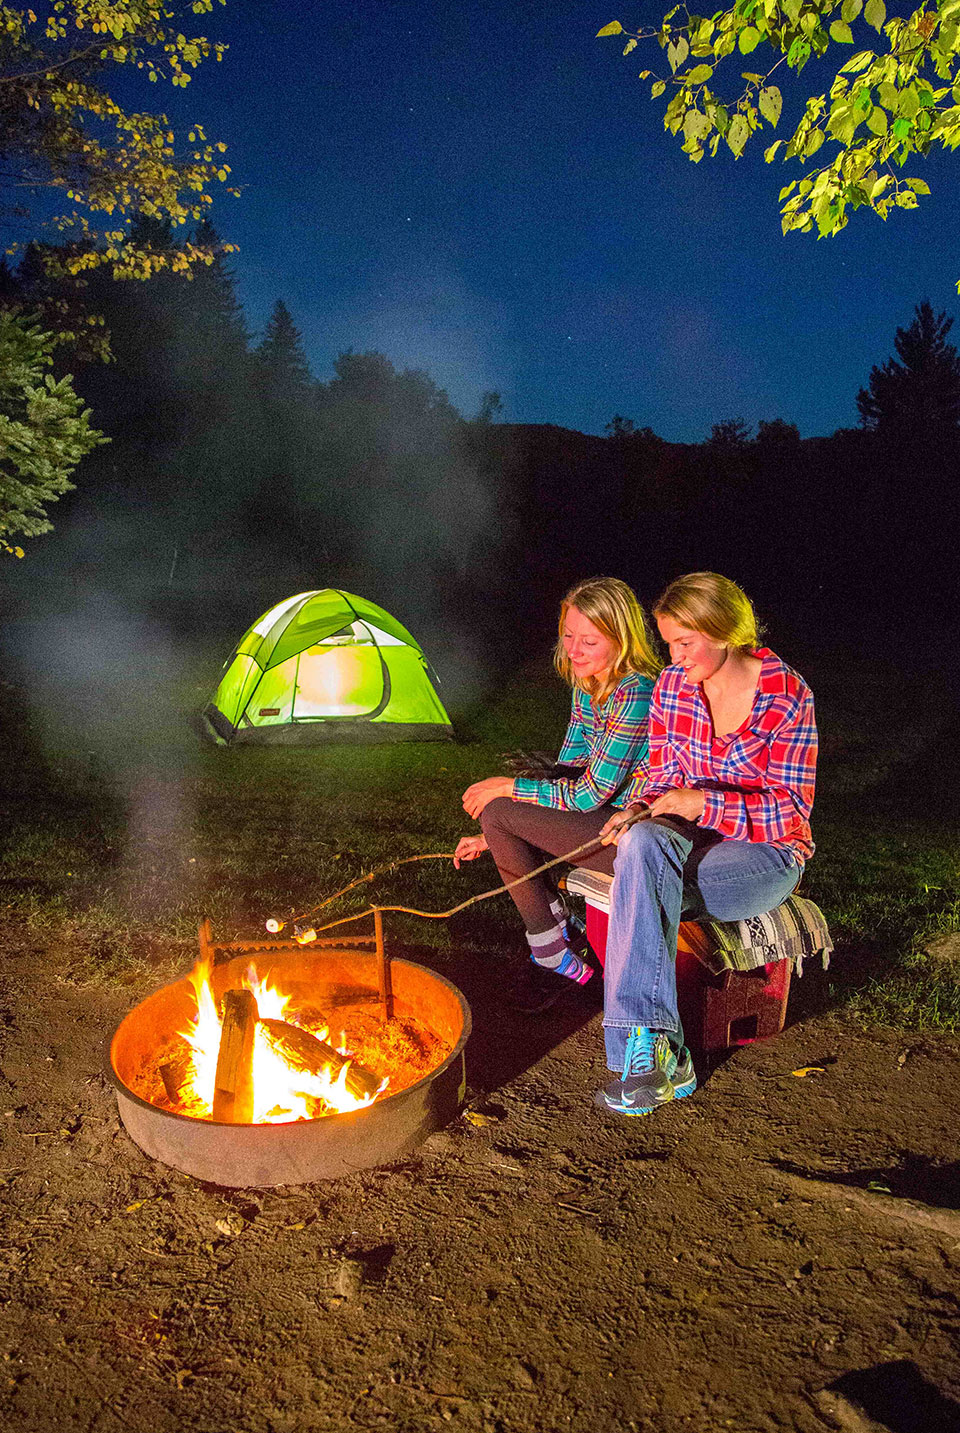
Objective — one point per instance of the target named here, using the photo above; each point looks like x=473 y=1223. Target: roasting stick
x=569 y=858
x=372 y=875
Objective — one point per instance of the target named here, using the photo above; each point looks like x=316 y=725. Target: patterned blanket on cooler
x=795 y=930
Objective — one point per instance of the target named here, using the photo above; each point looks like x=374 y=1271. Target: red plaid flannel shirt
x=759 y=780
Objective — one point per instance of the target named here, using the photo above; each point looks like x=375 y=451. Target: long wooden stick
x=371 y=876
x=569 y=858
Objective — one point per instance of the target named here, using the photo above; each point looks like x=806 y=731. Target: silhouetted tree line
x=234 y=477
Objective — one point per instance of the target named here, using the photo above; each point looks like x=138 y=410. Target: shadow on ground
x=898 y=1397
x=914 y=1177
x=504 y=1043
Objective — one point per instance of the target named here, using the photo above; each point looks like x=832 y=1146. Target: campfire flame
x=281 y=1092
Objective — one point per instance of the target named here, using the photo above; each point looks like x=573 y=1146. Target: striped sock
x=574 y=930
x=550 y=951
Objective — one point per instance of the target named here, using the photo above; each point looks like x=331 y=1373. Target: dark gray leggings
x=521 y=836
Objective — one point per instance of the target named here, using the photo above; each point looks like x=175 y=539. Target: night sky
x=486 y=192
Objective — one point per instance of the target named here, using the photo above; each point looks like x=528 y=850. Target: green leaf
x=877 y=121
x=842 y=123
x=917 y=185
x=901 y=128
x=888 y=94
x=677 y=52
x=770 y=154
x=629 y=46
x=787 y=190
x=909 y=103
x=813 y=143
x=737 y=134
x=791 y=8
x=850 y=9
x=696 y=126
x=771 y=104
x=858 y=62
x=841 y=32
x=657 y=89
x=614 y=28
x=798 y=54
x=748 y=40
x=698 y=74
x=875 y=12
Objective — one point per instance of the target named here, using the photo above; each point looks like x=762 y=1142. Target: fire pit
x=377 y=1050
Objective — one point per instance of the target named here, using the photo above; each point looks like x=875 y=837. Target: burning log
x=308 y=1054
x=173 y=1074
x=233 y=1090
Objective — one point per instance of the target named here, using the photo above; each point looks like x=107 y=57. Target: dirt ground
x=776 y=1253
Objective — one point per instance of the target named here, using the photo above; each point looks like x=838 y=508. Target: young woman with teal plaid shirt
x=604 y=653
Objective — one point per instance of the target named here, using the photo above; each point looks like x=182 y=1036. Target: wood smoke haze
x=105 y=684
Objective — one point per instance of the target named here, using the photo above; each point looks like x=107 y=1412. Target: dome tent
x=326 y=666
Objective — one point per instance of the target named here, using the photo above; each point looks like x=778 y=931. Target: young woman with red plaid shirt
x=603 y=652
x=721 y=823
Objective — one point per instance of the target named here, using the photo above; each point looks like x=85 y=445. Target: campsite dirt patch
x=781 y=1251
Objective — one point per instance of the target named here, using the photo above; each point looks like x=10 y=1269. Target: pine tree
x=44 y=431
x=221 y=328
x=283 y=365
x=917 y=399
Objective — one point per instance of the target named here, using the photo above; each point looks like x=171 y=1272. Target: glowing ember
x=282 y=1089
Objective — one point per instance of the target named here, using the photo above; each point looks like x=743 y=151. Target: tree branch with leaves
x=62 y=132
x=894 y=100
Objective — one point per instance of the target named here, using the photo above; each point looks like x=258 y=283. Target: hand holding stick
x=622 y=821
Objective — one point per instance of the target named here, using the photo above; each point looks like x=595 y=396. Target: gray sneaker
x=683 y=1076
x=647 y=1068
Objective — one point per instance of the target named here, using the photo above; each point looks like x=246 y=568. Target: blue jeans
x=667 y=869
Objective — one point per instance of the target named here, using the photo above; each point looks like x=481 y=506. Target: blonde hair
x=613 y=608
x=708 y=603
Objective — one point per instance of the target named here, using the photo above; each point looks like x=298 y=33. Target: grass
x=120 y=836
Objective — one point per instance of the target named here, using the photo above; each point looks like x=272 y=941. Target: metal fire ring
x=263 y=1155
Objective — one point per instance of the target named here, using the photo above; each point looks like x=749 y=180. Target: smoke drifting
x=104 y=686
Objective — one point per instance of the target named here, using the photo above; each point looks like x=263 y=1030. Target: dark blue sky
x=487 y=192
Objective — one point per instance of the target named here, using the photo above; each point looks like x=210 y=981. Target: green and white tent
x=326 y=666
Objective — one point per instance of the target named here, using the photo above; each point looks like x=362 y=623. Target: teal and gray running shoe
x=683 y=1076
x=646 y=1082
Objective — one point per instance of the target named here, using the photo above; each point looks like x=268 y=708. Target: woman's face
x=699 y=656
x=591 y=653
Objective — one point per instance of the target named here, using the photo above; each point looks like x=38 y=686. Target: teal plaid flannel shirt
x=609 y=745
